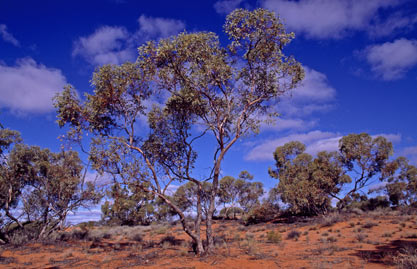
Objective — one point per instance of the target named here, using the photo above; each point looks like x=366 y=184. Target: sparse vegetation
x=273 y=237
x=294 y=234
x=163 y=200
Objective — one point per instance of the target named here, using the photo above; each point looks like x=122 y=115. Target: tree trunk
x=199 y=250
x=199 y=243
x=212 y=208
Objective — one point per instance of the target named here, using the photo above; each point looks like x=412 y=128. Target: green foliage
x=402 y=182
x=239 y=191
x=185 y=197
x=307 y=184
x=130 y=206
x=44 y=184
x=262 y=213
x=273 y=237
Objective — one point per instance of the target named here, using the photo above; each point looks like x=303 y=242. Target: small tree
x=401 y=186
x=307 y=184
x=130 y=206
x=233 y=192
x=304 y=183
x=47 y=185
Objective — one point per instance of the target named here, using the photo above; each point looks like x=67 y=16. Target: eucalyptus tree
x=240 y=191
x=225 y=91
x=401 y=186
x=308 y=183
x=130 y=205
x=234 y=88
x=187 y=194
x=305 y=184
x=45 y=185
x=364 y=158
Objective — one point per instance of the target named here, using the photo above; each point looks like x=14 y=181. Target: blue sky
x=360 y=59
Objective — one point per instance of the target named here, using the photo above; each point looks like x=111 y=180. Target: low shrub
x=294 y=234
x=261 y=213
x=273 y=237
x=407 y=259
x=369 y=225
x=330 y=220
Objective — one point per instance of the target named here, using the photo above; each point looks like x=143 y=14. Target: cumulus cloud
x=327 y=18
x=411 y=154
x=314 y=94
x=107 y=45
x=394 y=138
x=115 y=45
x=226 y=6
x=315 y=142
x=29 y=87
x=155 y=28
x=391 y=60
x=395 y=22
x=99 y=180
x=289 y=124
x=8 y=37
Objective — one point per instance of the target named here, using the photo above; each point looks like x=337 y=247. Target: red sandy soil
x=365 y=241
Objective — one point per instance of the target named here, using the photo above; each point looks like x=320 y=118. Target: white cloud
x=155 y=28
x=411 y=154
x=314 y=94
x=391 y=60
x=226 y=6
x=410 y=151
x=396 y=21
x=116 y=45
x=8 y=37
x=84 y=215
x=29 y=87
x=327 y=18
x=107 y=45
x=394 y=138
x=289 y=124
x=315 y=142
x=296 y=107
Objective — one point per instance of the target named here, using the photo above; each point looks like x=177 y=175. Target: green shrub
x=261 y=213
x=273 y=237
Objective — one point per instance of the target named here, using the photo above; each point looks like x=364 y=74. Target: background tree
x=129 y=205
x=307 y=184
x=304 y=183
x=46 y=185
x=234 y=192
x=186 y=197
x=363 y=158
x=401 y=186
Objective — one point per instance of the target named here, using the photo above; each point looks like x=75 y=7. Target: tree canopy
x=308 y=184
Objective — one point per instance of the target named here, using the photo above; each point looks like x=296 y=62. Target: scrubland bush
x=407 y=258
x=331 y=219
x=261 y=213
x=273 y=237
x=294 y=234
